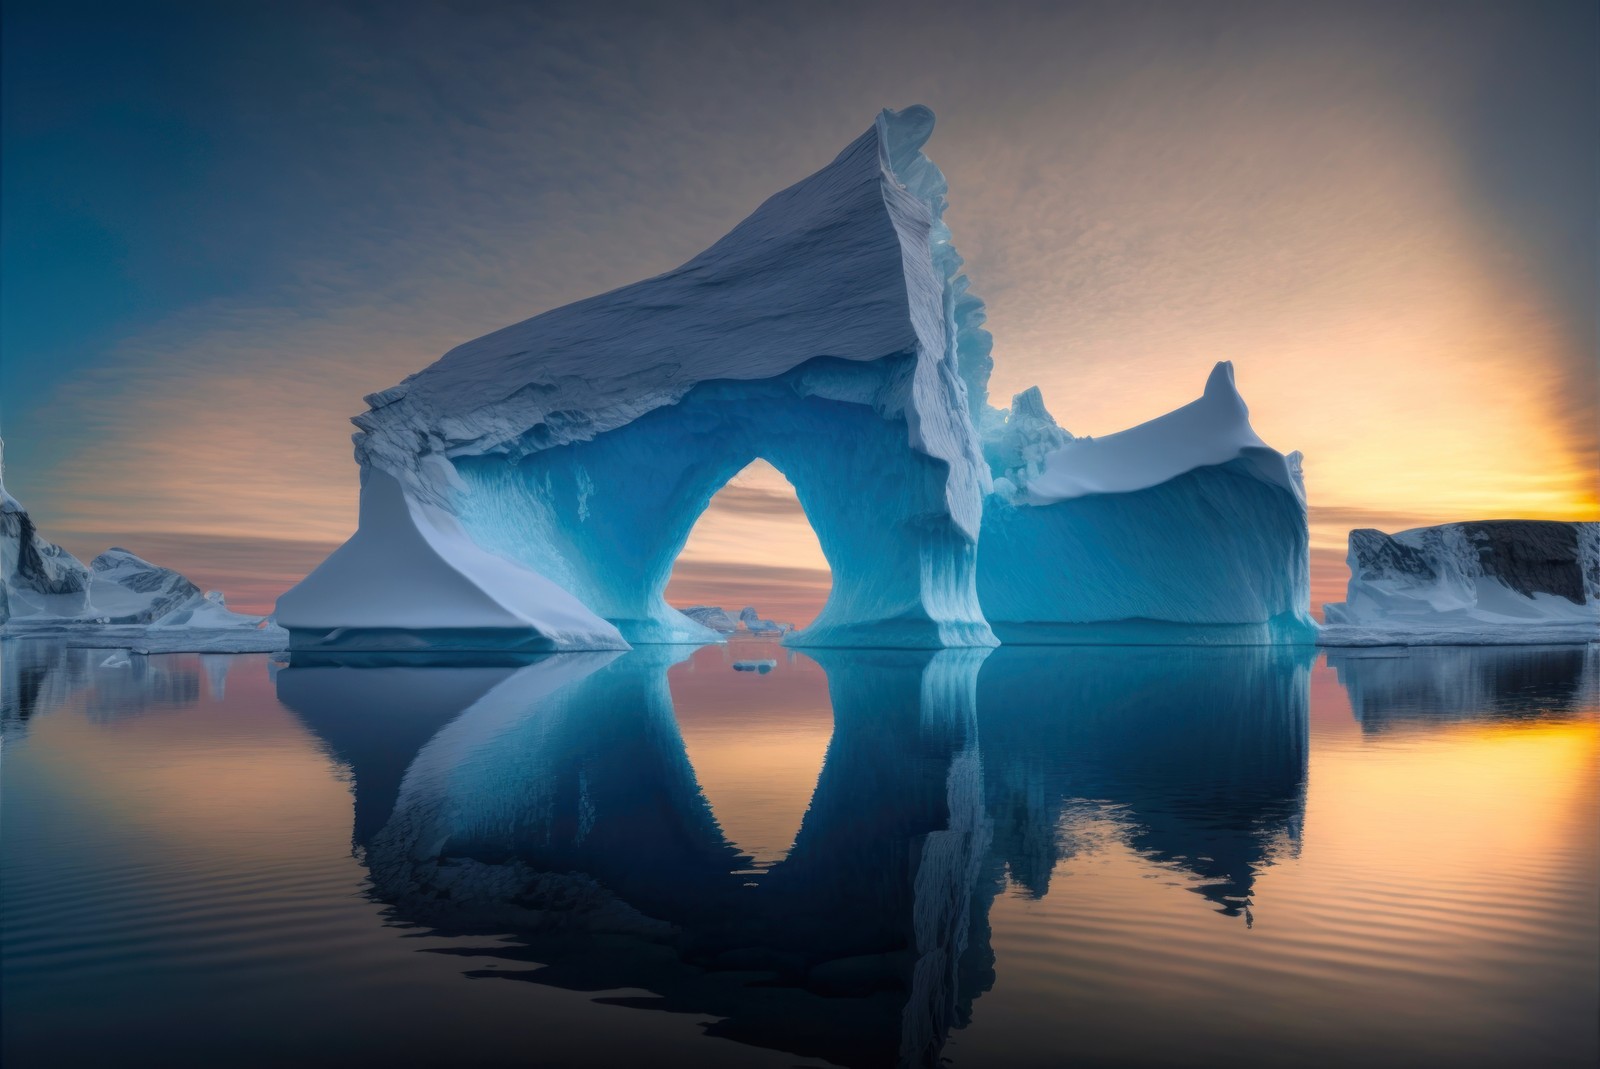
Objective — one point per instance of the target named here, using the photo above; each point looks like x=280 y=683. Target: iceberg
x=1188 y=528
x=36 y=575
x=753 y=623
x=724 y=623
x=576 y=450
x=1484 y=582
x=532 y=488
x=119 y=600
x=714 y=617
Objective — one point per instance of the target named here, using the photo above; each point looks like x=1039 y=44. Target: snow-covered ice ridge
x=117 y=600
x=532 y=488
x=1494 y=582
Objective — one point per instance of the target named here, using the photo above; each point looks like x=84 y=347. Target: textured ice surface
x=1492 y=582
x=831 y=334
x=1188 y=528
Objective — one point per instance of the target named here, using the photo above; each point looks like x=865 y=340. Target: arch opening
x=752 y=547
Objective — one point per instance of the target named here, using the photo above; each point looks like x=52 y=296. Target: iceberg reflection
x=556 y=800
x=1390 y=686
x=38 y=676
x=1202 y=750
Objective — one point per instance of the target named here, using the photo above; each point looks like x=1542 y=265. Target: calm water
x=1026 y=858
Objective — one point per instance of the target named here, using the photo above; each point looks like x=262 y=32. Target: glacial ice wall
x=1188 y=528
x=1487 y=581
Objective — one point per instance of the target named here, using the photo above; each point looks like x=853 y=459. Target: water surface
x=1032 y=856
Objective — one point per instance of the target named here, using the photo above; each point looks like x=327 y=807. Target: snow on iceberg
x=1187 y=528
x=1494 y=582
x=825 y=334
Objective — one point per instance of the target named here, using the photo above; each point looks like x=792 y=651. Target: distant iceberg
x=1490 y=582
x=713 y=616
x=753 y=623
x=119 y=600
x=724 y=623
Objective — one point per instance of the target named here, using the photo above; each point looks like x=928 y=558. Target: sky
x=222 y=224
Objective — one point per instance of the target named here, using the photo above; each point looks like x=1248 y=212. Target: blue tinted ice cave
x=531 y=489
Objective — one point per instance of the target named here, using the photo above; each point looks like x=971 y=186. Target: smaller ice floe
x=1487 y=582
x=762 y=667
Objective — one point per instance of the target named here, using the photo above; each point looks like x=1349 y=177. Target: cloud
x=1137 y=192
x=756 y=501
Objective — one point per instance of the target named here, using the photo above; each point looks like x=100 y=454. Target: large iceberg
x=1188 y=528
x=117 y=600
x=580 y=446
x=532 y=488
x=1496 y=582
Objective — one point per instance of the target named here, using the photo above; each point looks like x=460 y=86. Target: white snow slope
x=1488 y=582
x=426 y=586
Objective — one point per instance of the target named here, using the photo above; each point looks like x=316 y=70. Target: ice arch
x=902 y=569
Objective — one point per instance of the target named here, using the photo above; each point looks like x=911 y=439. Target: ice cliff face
x=533 y=488
x=1494 y=581
x=1187 y=528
